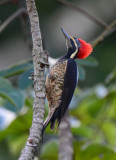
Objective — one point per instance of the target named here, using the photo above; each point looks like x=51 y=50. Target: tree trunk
x=40 y=59
x=65 y=139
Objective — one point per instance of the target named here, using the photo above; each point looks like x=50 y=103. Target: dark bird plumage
x=62 y=79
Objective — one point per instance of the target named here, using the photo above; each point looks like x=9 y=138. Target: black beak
x=65 y=34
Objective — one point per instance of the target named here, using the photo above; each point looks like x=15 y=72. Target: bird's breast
x=55 y=83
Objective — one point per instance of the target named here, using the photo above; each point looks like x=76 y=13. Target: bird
x=62 y=78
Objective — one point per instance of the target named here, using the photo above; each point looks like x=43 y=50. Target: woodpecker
x=62 y=78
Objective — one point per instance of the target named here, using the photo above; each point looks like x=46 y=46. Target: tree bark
x=65 y=139
x=40 y=60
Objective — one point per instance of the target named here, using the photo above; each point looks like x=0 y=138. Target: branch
x=25 y=28
x=65 y=139
x=4 y=1
x=102 y=36
x=40 y=58
x=11 y=18
x=87 y=14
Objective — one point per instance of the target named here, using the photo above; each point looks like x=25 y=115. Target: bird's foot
x=32 y=76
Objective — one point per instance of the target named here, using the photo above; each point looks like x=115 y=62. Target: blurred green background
x=93 y=108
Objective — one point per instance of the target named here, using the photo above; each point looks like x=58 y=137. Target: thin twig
x=101 y=37
x=25 y=25
x=65 y=139
x=4 y=1
x=26 y=30
x=87 y=14
x=12 y=17
x=40 y=59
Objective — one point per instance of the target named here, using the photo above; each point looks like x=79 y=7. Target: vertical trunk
x=65 y=139
x=40 y=61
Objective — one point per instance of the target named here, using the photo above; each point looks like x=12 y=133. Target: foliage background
x=93 y=108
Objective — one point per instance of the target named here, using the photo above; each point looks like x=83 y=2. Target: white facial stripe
x=74 y=42
x=74 y=54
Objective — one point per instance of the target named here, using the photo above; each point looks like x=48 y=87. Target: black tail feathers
x=51 y=118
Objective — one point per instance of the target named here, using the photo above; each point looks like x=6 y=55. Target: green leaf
x=77 y=145
x=24 y=82
x=89 y=61
x=95 y=106
x=4 y=148
x=96 y=152
x=29 y=102
x=112 y=108
x=82 y=74
x=19 y=126
x=85 y=108
x=16 y=143
x=13 y=95
x=16 y=69
x=82 y=131
x=109 y=129
x=50 y=150
x=110 y=156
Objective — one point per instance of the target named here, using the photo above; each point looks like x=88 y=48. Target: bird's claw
x=32 y=76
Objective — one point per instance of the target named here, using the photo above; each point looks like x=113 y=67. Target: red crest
x=85 y=49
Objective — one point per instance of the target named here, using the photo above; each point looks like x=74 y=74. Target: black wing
x=70 y=81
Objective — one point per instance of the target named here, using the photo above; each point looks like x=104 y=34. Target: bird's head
x=78 y=48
